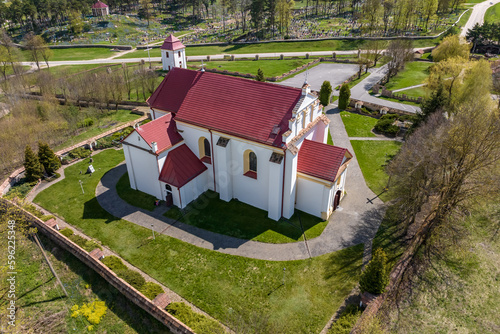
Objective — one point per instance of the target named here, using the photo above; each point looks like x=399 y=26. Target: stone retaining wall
x=174 y=325
x=389 y=93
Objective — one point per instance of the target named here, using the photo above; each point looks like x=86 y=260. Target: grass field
x=274 y=47
x=240 y=220
x=414 y=92
x=414 y=73
x=492 y=14
x=270 y=67
x=244 y=293
x=103 y=124
x=77 y=54
x=358 y=125
x=373 y=156
x=459 y=293
x=43 y=306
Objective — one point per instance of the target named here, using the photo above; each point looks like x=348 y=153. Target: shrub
x=385 y=126
x=260 y=75
x=151 y=290
x=20 y=190
x=344 y=96
x=47 y=158
x=33 y=210
x=325 y=92
x=47 y=217
x=375 y=276
x=131 y=277
x=85 y=123
x=346 y=321
x=94 y=312
x=34 y=169
x=198 y=322
x=86 y=244
x=79 y=153
x=67 y=232
x=114 y=263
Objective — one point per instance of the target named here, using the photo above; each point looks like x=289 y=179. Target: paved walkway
x=355 y=222
x=377 y=138
x=477 y=15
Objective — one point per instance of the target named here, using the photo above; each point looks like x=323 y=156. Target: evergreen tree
x=34 y=168
x=325 y=92
x=260 y=75
x=344 y=96
x=47 y=158
x=375 y=277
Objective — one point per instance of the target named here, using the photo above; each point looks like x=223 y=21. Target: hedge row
x=86 y=244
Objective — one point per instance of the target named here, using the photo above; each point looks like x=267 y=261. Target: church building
x=261 y=143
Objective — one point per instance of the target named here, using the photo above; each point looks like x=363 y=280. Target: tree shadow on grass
x=126 y=310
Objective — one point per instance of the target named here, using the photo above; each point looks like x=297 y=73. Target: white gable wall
x=143 y=171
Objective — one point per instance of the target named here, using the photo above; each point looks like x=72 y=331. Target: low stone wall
x=174 y=325
x=11 y=180
x=377 y=107
x=390 y=94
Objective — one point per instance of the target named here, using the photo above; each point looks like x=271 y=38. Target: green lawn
x=414 y=73
x=414 y=92
x=240 y=220
x=329 y=139
x=42 y=304
x=132 y=196
x=493 y=14
x=399 y=101
x=270 y=67
x=245 y=294
x=358 y=125
x=77 y=54
x=111 y=120
x=357 y=81
x=373 y=156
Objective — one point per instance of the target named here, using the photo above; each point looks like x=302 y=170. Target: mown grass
x=358 y=125
x=42 y=304
x=270 y=67
x=373 y=156
x=415 y=92
x=492 y=14
x=460 y=291
x=134 y=197
x=414 y=73
x=240 y=220
x=244 y=293
x=77 y=54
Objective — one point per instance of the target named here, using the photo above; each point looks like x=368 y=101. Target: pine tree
x=325 y=92
x=344 y=96
x=34 y=168
x=260 y=75
x=47 y=158
x=375 y=277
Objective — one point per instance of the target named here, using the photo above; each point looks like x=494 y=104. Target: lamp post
x=153 y=231
x=284 y=270
x=81 y=185
x=147 y=48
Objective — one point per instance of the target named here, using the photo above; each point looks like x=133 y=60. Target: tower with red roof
x=100 y=9
x=173 y=53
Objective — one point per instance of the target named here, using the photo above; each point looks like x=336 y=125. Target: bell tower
x=173 y=53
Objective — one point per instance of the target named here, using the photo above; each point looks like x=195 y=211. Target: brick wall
x=174 y=325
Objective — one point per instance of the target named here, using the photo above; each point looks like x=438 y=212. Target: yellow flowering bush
x=94 y=312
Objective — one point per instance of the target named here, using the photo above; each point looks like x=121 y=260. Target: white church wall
x=194 y=188
x=135 y=139
x=290 y=184
x=192 y=135
x=130 y=166
x=145 y=170
x=310 y=196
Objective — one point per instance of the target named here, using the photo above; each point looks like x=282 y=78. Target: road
x=477 y=15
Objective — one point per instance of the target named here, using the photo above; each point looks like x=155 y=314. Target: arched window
x=205 y=151
x=250 y=160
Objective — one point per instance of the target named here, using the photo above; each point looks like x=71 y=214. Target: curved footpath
x=355 y=222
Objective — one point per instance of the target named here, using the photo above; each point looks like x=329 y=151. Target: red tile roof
x=321 y=160
x=99 y=4
x=181 y=166
x=172 y=43
x=162 y=130
x=244 y=108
